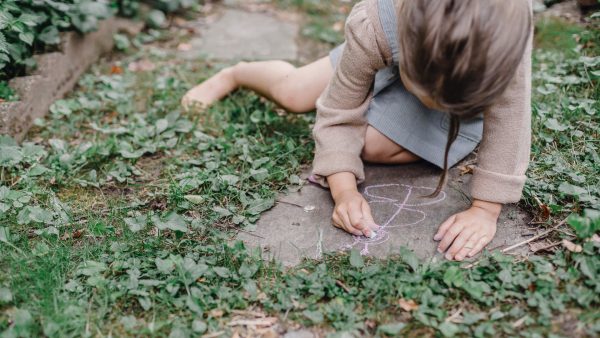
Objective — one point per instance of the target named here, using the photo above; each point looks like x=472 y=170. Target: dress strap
x=389 y=23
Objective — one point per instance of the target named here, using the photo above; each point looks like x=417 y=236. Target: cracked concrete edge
x=57 y=74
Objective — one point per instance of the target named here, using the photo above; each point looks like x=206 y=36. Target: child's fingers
x=459 y=242
x=358 y=221
x=346 y=224
x=483 y=241
x=368 y=216
x=449 y=236
x=444 y=227
x=467 y=247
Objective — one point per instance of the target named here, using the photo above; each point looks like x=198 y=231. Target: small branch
x=454 y=316
x=290 y=203
x=342 y=285
x=543 y=234
x=512 y=247
x=546 y=247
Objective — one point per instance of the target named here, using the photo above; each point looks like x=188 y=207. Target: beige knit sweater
x=340 y=129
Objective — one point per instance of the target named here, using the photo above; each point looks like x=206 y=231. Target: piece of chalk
x=373 y=234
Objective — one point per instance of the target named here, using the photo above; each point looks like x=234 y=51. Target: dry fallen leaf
x=542 y=245
x=216 y=313
x=408 y=305
x=465 y=169
x=595 y=238
x=116 y=70
x=571 y=246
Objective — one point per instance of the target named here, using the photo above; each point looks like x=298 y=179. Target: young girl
x=415 y=79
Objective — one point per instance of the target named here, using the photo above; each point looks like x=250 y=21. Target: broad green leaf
x=570 y=189
x=258 y=206
x=90 y=268
x=173 y=221
x=409 y=258
x=314 y=316
x=356 y=259
x=5 y=295
x=448 y=329
x=196 y=199
x=391 y=329
x=137 y=223
x=454 y=276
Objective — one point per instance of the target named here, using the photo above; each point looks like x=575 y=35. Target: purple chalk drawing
x=404 y=199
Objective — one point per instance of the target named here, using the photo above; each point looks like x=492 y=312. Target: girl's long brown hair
x=462 y=53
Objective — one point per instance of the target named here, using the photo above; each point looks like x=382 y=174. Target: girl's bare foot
x=210 y=91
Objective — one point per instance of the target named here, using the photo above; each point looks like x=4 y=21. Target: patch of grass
x=114 y=218
x=7 y=93
x=563 y=174
x=325 y=19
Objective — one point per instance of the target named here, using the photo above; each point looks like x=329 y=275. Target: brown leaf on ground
x=465 y=169
x=216 y=313
x=542 y=245
x=143 y=65
x=408 y=305
x=571 y=246
x=116 y=70
x=545 y=214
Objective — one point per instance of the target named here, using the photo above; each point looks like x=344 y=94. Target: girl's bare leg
x=294 y=89
x=380 y=149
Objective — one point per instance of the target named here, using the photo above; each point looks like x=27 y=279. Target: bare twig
x=543 y=234
x=455 y=315
x=512 y=247
x=546 y=247
x=342 y=285
x=290 y=203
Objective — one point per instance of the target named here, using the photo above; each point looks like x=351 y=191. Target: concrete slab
x=299 y=225
x=241 y=35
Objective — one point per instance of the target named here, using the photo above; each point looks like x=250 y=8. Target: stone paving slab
x=299 y=226
x=241 y=35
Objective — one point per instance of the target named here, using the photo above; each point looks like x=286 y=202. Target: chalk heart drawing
x=403 y=202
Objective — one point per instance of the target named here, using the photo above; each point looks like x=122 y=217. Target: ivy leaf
x=409 y=258
x=5 y=295
x=553 y=124
x=448 y=329
x=454 y=276
x=27 y=37
x=391 y=329
x=136 y=224
x=173 y=221
x=259 y=205
x=49 y=35
x=356 y=259
x=570 y=189
x=90 y=268
x=314 y=316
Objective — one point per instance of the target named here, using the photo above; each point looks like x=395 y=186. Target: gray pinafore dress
x=401 y=116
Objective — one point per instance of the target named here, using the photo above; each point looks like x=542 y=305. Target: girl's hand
x=353 y=214
x=467 y=233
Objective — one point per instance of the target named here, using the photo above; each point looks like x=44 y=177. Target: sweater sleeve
x=503 y=156
x=340 y=127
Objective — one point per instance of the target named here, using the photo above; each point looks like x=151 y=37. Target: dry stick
x=290 y=203
x=546 y=247
x=543 y=234
x=512 y=247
